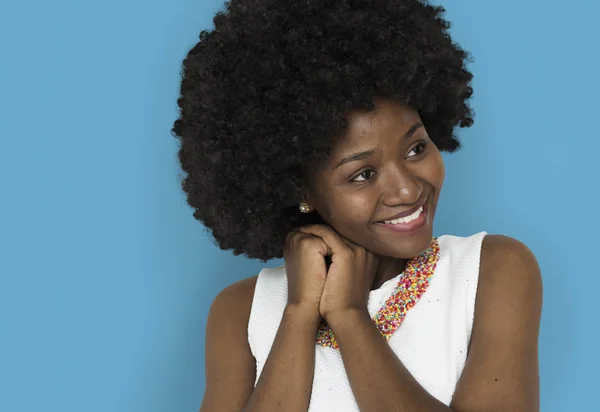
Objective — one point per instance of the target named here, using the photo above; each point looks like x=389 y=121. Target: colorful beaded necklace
x=412 y=284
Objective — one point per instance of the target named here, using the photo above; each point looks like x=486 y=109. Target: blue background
x=106 y=278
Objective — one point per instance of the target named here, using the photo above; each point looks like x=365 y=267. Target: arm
x=378 y=379
x=230 y=366
x=286 y=379
x=501 y=372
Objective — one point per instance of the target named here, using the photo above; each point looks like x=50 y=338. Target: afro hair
x=267 y=91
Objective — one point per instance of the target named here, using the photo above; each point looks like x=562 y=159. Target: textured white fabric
x=431 y=342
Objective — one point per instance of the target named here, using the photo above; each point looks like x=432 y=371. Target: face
x=386 y=165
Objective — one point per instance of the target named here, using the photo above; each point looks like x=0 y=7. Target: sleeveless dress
x=425 y=314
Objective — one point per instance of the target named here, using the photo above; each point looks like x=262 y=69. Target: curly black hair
x=267 y=91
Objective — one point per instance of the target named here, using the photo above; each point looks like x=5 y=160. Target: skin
x=403 y=168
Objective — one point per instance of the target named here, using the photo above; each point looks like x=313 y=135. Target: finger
x=317 y=242
x=333 y=240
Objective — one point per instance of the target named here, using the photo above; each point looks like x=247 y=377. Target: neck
x=387 y=269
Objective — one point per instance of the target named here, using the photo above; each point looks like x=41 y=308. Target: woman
x=311 y=130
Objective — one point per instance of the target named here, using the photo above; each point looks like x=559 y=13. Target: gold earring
x=305 y=207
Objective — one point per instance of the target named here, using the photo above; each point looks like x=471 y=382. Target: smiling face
x=385 y=165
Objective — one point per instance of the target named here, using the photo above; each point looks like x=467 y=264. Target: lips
x=407 y=212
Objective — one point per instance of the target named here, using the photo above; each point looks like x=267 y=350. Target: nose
x=400 y=188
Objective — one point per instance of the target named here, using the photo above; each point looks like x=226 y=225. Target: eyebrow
x=364 y=155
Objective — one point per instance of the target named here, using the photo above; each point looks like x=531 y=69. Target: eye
x=364 y=176
x=418 y=149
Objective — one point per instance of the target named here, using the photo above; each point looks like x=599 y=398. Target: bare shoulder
x=508 y=264
x=510 y=288
x=230 y=366
x=234 y=302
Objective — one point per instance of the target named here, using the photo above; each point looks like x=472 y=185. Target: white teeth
x=406 y=219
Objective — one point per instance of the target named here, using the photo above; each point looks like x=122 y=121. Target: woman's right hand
x=306 y=269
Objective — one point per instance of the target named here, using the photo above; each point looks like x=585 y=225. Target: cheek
x=441 y=175
x=436 y=171
x=347 y=209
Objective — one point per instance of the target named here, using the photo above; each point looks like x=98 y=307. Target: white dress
x=430 y=328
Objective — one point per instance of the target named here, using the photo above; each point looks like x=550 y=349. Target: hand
x=304 y=256
x=350 y=276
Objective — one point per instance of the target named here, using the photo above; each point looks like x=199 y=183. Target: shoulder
x=509 y=278
x=226 y=327
x=234 y=302
x=230 y=366
x=509 y=261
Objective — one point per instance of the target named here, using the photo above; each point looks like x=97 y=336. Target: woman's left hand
x=350 y=275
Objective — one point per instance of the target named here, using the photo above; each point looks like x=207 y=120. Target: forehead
x=389 y=120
